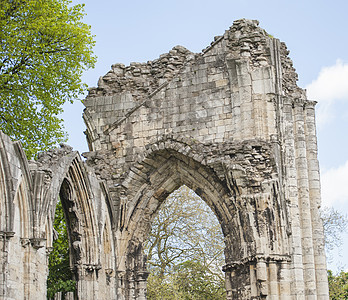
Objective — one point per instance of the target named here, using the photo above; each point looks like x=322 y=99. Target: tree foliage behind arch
x=185 y=250
x=60 y=277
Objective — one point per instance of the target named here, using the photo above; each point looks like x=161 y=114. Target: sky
x=315 y=33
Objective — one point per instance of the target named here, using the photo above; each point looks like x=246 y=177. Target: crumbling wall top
x=142 y=78
x=244 y=40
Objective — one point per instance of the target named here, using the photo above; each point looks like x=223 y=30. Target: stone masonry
x=230 y=123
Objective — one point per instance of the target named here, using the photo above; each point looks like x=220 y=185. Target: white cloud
x=330 y=86
x=334 y=185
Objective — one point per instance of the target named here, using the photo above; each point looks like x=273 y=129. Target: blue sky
x=316 y=35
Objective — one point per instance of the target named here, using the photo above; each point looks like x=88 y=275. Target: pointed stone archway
x=254 y=225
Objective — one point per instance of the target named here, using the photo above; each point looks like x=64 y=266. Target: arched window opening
x=185 y=250
x=60 y=281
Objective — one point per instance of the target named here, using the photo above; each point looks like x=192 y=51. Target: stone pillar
x=273 y=280
x=4 y=245
x=291 y=196
x=131 y=285
x=35 y=268
x=228 y=284
x=87 y=282
x=285 y=281
x=238 y=280
x=141 y=278
x=121 y=288
x=261 y=277
x=304 y=200
x=315 y=201
x=130 y=292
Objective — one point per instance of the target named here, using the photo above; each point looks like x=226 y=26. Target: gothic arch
x=168 y=172
x=70 y=181
x=76 y=199
x=75 y=193
x=61 y=174
x=250 y=225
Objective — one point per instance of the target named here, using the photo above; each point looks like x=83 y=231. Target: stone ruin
x=230 y=123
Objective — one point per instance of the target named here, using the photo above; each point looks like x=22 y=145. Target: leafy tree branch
x=44 y=48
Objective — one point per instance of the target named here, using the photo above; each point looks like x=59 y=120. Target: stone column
x=315 y=201
x=4 y=264
x=304 y=200
x=273 y=280
x=121 y=289
x=291 y=196
x=262 y=278
x=238 y=280
x=285 y=281
x=141 y=278
x=131 y=286
x=228 y=285
x=35 y=268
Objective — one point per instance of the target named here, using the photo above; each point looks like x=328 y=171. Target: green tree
x=185 y=250
x=44 y=48
x=60 y=277
x=195 y=281
x=338 y=285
